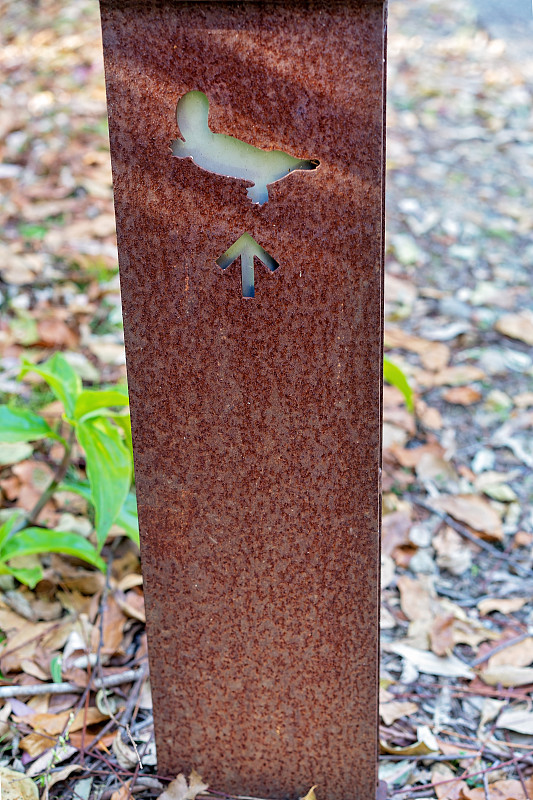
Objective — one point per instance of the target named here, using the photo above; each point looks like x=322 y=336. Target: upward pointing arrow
x=247 y=248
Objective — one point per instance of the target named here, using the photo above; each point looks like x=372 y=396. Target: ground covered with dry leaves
x=457 y=666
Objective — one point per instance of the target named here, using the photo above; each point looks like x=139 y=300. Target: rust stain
x=256 y=421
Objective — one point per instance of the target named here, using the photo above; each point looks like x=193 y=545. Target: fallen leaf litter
x=457 y=666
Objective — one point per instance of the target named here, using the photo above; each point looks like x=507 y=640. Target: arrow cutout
x=247 y=248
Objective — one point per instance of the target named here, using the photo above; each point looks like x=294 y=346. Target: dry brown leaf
x=21 y=645
x=452 y=552
x=180 y=790
x=130 y=582
x=517 y=326
x=40 y=704
x=415 y=599
x=124 y=793
x=6 y=732
x=524 y=400
x=435 y=468
x=450 y=749
x=44 y=609
x=52 y=756
x=396 y=709
x=34 y=744
x=429 y=663
x=54 y=724
x=517 y=719
x=58 y=634
x=89 y=582
x=384 y=695
x=501 y=790
x=506 y=605
x=61 y=775
x=441 y=635
x=26 y=485
x=400 y=292
x=16 y=786
x=10 y=621
x=507 y=675
x=462 y=395
x=311 y=793
x=132 y=604
x=451 y=376
x=522 y=539
x=473 y=511
x=392 y=396
x=433 y=355
x=403 y=555
x=125 y=755
x=54 y=332
x=395 y=531
x=18 y=269
x=410 y=457
x=445 y=783
x=467 y=631
x=429 y=417
x=104 y=742
x=113 y=628
x=517 y=655
x=424 y=745
x=400 y=418
x=31 y=668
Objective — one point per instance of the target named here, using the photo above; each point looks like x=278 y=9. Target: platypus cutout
x=226 y=155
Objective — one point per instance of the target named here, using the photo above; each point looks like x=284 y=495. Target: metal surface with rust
x=256 y=421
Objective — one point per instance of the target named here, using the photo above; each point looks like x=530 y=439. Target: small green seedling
x=394 y=375
x=99 y=420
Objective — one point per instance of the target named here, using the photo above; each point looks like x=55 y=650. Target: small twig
x=60 y=473
x=499 y=648
x=129 y=676
x=481 y=691
x=430 y=757
x=98 y=665
x=517 y=765
x=486 y=786
x=465 y=776
x=463 y=531
x=128 y=713
x=117 y=773
x=139 y=765
x=141 y=674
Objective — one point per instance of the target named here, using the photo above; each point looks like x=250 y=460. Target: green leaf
x=20 y=425
x=29 y=576
x=394 y=375
x=108 y=469
x=55 y=669
x=127 y=518
x=62 y=379
x=97 y=402
x=7 y=527
x=40 y=540
x=83 y=488
x=123 y=421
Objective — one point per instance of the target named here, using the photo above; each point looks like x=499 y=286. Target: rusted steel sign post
x=247 y=147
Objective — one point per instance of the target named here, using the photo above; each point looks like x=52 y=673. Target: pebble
x=423 y=561
x=483 y=460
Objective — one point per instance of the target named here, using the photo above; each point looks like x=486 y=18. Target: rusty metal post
x=255 y=395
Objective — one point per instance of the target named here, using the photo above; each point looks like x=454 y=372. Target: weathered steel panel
x=256 y=420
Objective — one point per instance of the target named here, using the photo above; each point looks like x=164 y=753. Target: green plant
x=104 y=433
x=393 y=374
